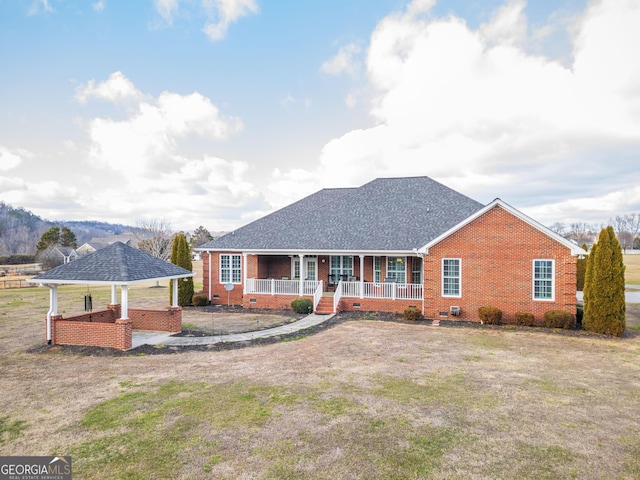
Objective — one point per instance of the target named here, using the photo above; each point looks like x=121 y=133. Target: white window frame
x=231 y=269
x=339 y=265
x=536 y=279
x=444 y=278
x=417 y=262
x=377 y=269
x=393 y=261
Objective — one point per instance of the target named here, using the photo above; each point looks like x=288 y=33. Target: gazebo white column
x=124 y=294
x=114 y=296
x=174 y=293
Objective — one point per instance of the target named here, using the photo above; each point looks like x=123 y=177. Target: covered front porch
x=340 y=277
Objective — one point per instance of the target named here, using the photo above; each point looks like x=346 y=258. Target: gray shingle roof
x=387 y=214
x=118 y=263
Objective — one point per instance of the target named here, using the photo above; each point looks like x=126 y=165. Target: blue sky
x=216 y=112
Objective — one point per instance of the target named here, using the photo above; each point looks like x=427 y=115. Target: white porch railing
x=391 y=291
x=271 y=286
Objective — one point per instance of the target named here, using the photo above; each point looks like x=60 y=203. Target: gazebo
x=115 y=265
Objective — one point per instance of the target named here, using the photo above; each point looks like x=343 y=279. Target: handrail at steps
x=317 y=295
x=337 y=296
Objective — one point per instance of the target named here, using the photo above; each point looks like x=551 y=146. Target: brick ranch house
x=390 y=244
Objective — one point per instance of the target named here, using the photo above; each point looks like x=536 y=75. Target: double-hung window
x=451 y=274
x=543 y=279
x=230 y=269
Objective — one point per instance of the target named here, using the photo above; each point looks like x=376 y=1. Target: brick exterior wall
x=497 y=252
x=105 y=329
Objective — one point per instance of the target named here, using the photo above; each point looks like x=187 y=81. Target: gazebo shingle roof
x=116 y=264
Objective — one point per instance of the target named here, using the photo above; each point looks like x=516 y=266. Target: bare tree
x=620 y=226
x=581 y=232
x=559 y=228
x=633 y=223
x=154 y=237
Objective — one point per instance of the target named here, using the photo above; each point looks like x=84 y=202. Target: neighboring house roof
x=65 y=251
x=575 y=249
x=386 y=214
x=90 y=247
x=126 y=238
x=117 y=264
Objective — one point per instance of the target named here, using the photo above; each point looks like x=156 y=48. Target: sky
x=217 y=112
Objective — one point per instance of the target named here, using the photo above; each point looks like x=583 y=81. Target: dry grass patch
x=632 y=269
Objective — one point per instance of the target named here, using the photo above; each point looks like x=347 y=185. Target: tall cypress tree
x=180 y=256
x=604 y=290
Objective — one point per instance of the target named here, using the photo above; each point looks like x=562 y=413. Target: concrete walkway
x=141 y=337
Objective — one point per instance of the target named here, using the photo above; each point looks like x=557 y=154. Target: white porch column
x=114 y=296
x=53 y=309
x=174 y=293
x=244 y=273
x=302 y=275
x=361 y=276
x=124 y=302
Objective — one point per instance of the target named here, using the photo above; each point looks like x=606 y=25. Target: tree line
x=626 y=228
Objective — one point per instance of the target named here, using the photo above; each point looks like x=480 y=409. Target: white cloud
x=474 y=109
x=166 y=9
x=344 y=61
x=508 y=26
x=115 y=89
x=8 y=159
x=226 y=12
x=144 y=155
x=99 y=6
x=40 y=6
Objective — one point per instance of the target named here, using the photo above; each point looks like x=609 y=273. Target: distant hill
x=20 y=230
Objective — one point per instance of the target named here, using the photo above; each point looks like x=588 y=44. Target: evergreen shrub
x=412 y=313
x=490 y=315
x=525 y=318
x=302 y=305
x=200 y=300
x=604 y=300
x=559 y=319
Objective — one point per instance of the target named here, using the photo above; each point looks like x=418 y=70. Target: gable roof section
x=575 y=249
x=386 y=214
x=117 y=264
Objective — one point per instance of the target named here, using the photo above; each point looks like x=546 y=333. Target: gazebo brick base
x=104 y=329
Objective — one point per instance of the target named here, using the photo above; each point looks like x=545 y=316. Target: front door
x=310 y=268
